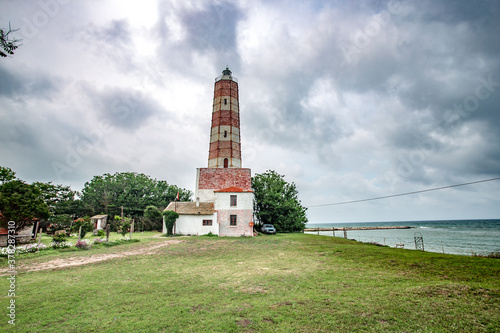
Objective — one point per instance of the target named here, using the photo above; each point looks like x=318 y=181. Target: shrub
x=125 y=227
x=86 y=225
x=5 y=251
x=34 y=247
x=98 y=241
x=61 y=237
x=83 y=244
x=101 y=233
x=60 y=245
x=170 y=218
x=154 y=217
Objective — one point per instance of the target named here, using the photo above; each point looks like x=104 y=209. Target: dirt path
x=78 y=261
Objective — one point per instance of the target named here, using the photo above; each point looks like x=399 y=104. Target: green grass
x=280 y=283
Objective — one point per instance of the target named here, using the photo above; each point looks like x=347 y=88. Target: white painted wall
x=193 y=225
x=223 y=200
x=205 y=195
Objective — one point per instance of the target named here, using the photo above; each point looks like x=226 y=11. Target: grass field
x=279 y=283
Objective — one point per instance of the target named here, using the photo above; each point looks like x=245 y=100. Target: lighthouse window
x=225 y=134
x=225 y=101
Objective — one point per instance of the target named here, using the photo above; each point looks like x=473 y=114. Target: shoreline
x=357 y=228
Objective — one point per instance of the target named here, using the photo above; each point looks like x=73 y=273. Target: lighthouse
x=225 y=145
x=223 y=194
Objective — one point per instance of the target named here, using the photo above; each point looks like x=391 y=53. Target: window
x=207 y=222
x=225 y=134
x=226 y=163
x=234 y=201
x=232 y=220
x=225 y=101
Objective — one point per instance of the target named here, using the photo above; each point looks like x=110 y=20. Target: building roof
x=234 y=189
x=98 y=216
x=189 y=208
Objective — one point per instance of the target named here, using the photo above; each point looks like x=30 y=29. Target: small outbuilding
x=195 y=218
x=99 y=221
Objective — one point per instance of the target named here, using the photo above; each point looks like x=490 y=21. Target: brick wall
x=244 y=217
x=217 y=178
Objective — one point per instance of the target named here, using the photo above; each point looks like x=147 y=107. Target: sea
x=463 y=237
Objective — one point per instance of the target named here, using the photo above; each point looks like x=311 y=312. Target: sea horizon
x=464 y=237
x=404 y=221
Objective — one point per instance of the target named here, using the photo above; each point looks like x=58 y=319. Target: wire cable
x=407 y=193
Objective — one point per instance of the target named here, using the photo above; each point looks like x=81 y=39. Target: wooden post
x=39 y=237
x=107 y=233
x=345 y=233
x=318 y=230
x=80 y=233
x=131 y=228
x=333 y=231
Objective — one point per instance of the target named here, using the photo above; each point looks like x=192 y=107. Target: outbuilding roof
x=189 y=208
x=98 y=216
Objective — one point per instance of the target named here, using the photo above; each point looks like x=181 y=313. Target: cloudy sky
x=349 y=100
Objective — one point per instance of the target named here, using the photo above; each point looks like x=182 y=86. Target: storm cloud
x=349 y=101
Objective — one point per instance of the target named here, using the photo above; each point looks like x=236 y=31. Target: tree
x=6 y=175
x=86 y=225
x=55 y=195
x=7 y=45
x=153 y=214
x=133 y=191
x=22 y=203
x=276 y=202
x=170 y=217
x=125 y=226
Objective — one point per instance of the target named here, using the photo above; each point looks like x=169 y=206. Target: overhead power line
x=407 y=193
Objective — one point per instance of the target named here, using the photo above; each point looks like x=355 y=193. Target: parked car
x=268 y=229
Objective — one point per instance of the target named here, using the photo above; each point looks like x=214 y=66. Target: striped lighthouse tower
x=225 y=146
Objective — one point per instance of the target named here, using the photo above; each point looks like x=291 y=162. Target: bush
x=101 y=233
x=83 y=244
x=98 y=241
x=86 y=225
x=33 y=247
x=125 y=227
x=154 y=217
x=59 y=238
x=60 y=245
x=170 y=218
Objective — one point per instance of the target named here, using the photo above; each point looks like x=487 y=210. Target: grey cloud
x=213 y=27
x=18 y=83
x=113 y=41
x=123 y=108
x=210 y=30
